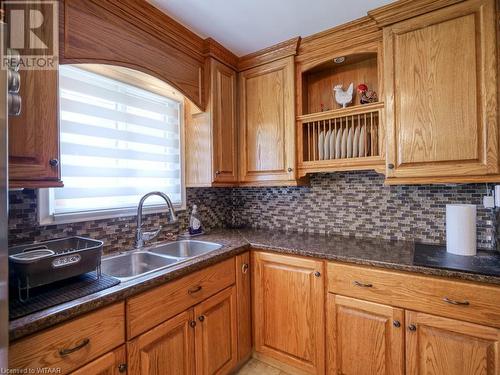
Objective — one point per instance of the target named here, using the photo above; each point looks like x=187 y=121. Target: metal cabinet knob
x=290 y=170
x=192 y=323
x=390 y=166
x=54 y=162
x=122 y=367
x=396 y=323
x=317 y=274
x=217 y=173
x=201 y=318
x=412 y=327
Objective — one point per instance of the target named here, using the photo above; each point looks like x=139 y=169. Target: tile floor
x=255 y=367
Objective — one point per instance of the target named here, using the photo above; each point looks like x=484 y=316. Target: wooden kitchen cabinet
x=440 y=72
x=267 y=124
x=364 y=338
x=442 y=346
x=34 y=135
x=216 y=334
x=211 y=137
x=165 y=349
x=112 y=363
x=288 y=302
x=244 y=306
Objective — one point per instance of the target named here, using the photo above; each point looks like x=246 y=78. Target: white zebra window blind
x=118 y=142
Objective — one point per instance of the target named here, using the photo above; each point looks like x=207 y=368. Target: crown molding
x=278 y=51
x=404 y=9
x=212 y=48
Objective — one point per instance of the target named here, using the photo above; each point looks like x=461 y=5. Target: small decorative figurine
x=366 y=96
x=343 y=97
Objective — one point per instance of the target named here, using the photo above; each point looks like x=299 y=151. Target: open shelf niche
x=320 y=116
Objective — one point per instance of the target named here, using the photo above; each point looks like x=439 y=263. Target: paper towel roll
x=461 y=229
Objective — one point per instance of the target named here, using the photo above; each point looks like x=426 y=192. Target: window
x=118 y=142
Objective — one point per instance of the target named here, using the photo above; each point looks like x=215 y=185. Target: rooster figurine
x=366 y=96
x=343 y=97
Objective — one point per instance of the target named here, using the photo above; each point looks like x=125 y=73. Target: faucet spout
x=146 y=236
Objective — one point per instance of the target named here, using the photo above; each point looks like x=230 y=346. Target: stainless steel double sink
x=132 y=264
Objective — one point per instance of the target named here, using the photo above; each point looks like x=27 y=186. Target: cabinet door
x=441 y=93
x=216 y=333
x=244 y=306
x=364 y=338
x=442 y=346
x=113 y=363
x=223 y=104
x=289 y=310
x=34 y=135
x=267 y=122
x=165 y=349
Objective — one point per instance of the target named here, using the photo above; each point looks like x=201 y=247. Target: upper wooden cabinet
x=288 y=303
x=440 y=74
x=267 y=123
x=34 y=135
x=211 y=137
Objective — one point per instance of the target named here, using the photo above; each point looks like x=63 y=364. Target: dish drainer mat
x=59 y=292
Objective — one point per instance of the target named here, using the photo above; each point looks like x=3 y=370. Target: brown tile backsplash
x=358 y=204
x=117 y=233
x=351 y=203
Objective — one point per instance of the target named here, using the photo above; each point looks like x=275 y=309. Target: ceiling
x=246 y=26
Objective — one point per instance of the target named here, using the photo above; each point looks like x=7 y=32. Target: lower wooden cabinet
x=244 y=306
x=364 y=338
x=216 y=334
x=165 y=349
x=288 y=305
x=201 y=340
x=442 y=346
x=112 y=363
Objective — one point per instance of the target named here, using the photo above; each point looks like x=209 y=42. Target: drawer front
x=70 y=345
x=467 y=301
x=156 y=306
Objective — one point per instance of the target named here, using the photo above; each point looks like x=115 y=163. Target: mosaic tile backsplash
x=358 y=204
x=214 y=206
x=351 y=203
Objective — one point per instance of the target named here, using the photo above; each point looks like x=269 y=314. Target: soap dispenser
x=195 y=226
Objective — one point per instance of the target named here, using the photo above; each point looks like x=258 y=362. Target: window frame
x=45 y=217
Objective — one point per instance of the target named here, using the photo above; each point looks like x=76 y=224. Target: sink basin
x=185 y=249
x=131 y=265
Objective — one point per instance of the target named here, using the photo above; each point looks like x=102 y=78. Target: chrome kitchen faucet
x=141 y=236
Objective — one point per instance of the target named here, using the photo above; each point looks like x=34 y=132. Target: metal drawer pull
x=244 y=268
x=412 y=327
x=65 y=352
x=363 y=285
x=194 y=289
x=457 y=303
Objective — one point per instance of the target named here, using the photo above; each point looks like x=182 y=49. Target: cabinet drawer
x=70 y=345
x=456 y=299
x=156 y=306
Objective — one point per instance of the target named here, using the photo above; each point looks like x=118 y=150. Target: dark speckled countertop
x=397 y=255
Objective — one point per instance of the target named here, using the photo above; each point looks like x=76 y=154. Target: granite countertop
x=397 y=255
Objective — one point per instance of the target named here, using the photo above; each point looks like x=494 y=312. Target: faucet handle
x=148 y=236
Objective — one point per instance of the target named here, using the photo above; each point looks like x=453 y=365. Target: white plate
x=343 y=151
x=355 y=143
x=362 y=142
x=349 y=143
x=326 y=145
x=332 y=145
x=321 y=145
x=338 y=144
